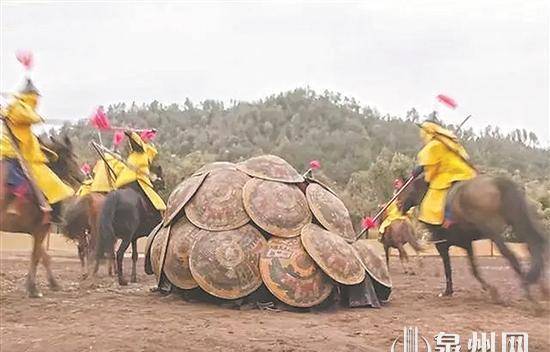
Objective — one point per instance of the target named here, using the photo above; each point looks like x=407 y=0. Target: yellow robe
x=20 y=115
x=445 y=161
x=392 y=213
x=85 y=188
x=139 y=171
x=104 y=180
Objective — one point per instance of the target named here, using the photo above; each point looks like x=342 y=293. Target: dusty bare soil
x=106 y=317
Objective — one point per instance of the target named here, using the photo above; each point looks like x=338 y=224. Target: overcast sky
x=490 y=55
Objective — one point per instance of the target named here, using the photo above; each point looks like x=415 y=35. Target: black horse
x=485 y=207
x=127 y=214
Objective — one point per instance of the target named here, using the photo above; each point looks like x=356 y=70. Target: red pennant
x=99 y=119
x=448 y=101
x=25 y=57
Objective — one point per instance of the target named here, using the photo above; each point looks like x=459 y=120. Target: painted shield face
x=181 y=195
x=278 y=208
x=156 y=249
x=270 y=167
x=333 y=254
x=226 y=263
x=216 y=165
x=373 y=263
x=291 y=275
x=218 y=204
x=330 y=211
x=183 y=235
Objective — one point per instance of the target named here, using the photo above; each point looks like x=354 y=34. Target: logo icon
x=411 y=341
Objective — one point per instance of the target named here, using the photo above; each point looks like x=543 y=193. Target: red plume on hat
x=25 y=57
x=148 y=135
x=99 y=119
x=118 y=137
x=314 y=164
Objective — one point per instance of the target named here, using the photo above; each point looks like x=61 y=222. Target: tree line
x=361 y=150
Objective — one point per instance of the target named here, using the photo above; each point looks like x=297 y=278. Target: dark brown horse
x=485 y=207
x=30 y=218
x=81 y=219
x=396 y=235
x=127 y=214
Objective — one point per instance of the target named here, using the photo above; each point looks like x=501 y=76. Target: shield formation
x=231 y=228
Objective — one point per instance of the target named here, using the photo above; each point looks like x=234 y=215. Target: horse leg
x=38 y=239
x=133 y=278
x=475 y=271
x=81 y=256
x=387 y=251
x=443 y=249
x=507 y=253
x=403 y=257
x=111 y=267
x=119 y=259
x=46 y=262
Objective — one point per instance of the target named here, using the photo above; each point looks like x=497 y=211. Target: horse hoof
x=133 y=280
x=445 y=294
x=54 y=286
x=35 y=294
x=84 y=276
x=123 y=282
x=495 y=295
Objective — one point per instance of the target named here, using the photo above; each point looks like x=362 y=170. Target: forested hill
x=360 y=149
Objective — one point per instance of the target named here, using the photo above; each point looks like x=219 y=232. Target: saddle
x=448 y=217
x=17 y=184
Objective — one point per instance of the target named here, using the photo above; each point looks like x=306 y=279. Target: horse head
x=158 y=177
x=413 y=195
x=65 y=165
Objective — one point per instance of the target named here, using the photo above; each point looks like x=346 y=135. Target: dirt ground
x=107 y=317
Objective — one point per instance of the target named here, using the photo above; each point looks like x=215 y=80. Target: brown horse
x=485 y=207
x=30 y=218
x=81 y=219
x=396 y=235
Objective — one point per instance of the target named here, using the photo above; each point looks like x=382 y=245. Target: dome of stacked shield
x=231 y=228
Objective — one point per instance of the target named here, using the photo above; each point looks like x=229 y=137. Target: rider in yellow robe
x=20 y=115
x=104 y=178
x=137 y=169
x=444 y=161
x=393 y=212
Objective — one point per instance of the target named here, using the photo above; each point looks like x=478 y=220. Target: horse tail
x=517 y=213
x=411 y=238
x=106 y=231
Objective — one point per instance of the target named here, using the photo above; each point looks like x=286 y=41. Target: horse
x=396 y=235
x=81 y=219
x=483 y=208
x=127 y=214
x=30 y=219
